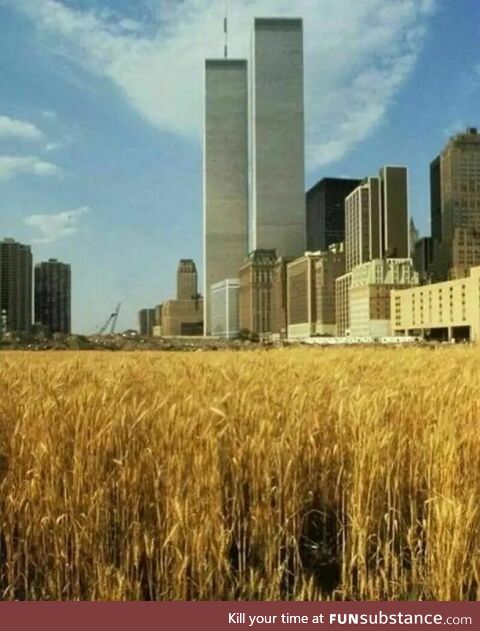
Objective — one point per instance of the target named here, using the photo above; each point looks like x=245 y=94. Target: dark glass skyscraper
x=15 y=286
x=326 y=212
x=53 y=296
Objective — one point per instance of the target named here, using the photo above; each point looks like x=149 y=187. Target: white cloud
x=54 y=227
x=10 y=166
x=357 y=56
x=18 y=129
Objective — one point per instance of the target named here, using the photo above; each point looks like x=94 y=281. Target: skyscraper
x=15 y=286
x=186 y=280
x=362 y=223
x=225 y=172
x=146 y=321
x=394 y=219
x=376 y=218
x=455 y=198
x=277 y=137
x=326 y=212
x=53 y=296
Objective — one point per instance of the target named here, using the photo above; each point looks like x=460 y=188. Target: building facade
x=394 y=216
x=302 y=296
x=455 y=204
x=255 y=292
x=329 y=266
x=225 y=172
x=225 y=313
x=370 y=289
x=342 y=304
x=53 y=291
x=277 y=138
x=15 y=287
x=279 y=297
x=423 y=259
x=326 y=212
x=187 y=280
x=362 y=223
x=443 y=311
x=146 y=321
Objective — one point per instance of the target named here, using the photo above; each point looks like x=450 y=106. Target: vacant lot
x=348 y=473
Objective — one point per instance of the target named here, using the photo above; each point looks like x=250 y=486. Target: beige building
x=362 y=217
x=342 y=304
x=279 y=297
x=455 y=197
x=255 y=291
x=376 y=218
x=369 y=294
x=183 y=316
x=301 y=296
x=311 y=292
x=447 y=310
x=329 y=267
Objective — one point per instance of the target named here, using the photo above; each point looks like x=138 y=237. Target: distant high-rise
x=394 y=217
x=187 y=285
x=376 y=218
x=146 y=321
x=326 y=212
x=53 y=296
x=225 y=173
x=435 y=200
x=362 y=223
x=277 y=138
x=15 y=286
x=455 y=199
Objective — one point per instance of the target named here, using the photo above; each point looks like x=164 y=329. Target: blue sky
x=101 y=110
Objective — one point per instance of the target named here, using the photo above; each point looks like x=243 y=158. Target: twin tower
x=254 y=152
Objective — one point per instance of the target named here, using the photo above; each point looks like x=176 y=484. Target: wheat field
x=280 y=474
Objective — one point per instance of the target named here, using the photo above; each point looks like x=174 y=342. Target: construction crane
x=111 y=321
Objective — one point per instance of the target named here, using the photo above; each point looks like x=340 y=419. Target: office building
x=224 y=305
x=183 y=316
x=146 y=321
x=423 y=259
x=53 y=296
x=455 y=211
x=342 y=304
x=301 y=296
x=326 y=212
x=362 y=223
x=394 y=217
x=370 y=289
x=278 y=214
x=329 y=266
x=225 y=172
x=255 y=292
x=186 y=280
x=279 y=319
x=376 y=218
x=15 y=287
x=442 y=311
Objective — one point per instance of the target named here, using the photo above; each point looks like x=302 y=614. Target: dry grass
x=283 y=474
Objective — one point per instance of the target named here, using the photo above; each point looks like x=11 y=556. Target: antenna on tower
x=225 y=29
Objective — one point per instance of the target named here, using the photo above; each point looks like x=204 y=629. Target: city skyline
x=90 y=172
